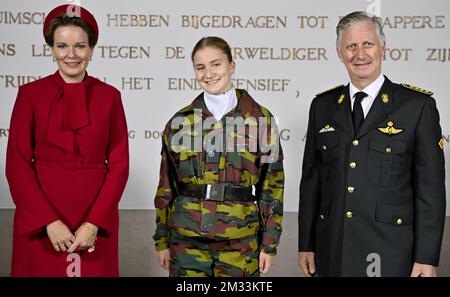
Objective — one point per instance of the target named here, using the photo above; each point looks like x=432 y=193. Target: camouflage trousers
x=210 y=258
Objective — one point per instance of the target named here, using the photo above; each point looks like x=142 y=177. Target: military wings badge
x=390 y=129
x=327 y=128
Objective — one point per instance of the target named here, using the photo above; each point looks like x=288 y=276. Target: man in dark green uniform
x=372 y=193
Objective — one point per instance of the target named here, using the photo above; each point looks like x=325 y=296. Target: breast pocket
x=328 y=146
x=387 y=162
x=189 y=166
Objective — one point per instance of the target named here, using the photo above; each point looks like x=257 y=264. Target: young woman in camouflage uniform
x=219 y=202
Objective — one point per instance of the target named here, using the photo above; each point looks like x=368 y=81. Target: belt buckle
x=215 y=192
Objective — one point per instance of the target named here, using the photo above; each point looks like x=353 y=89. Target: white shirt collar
x=371 y=90
x=220 y=105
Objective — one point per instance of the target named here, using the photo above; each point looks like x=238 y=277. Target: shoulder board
x=326 y=91
x=417 y=89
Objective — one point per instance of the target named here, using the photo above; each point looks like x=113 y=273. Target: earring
x=90 y=58
x=54 y=60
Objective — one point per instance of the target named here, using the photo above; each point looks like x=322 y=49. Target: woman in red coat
x=67 y=160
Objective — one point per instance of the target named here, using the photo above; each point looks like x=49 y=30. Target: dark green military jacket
x=377 y=195
x=251 y=157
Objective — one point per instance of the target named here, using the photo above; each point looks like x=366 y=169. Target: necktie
x=358 y=114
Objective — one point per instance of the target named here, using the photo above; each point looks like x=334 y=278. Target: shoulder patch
x=417 y=89
x=326 y=91
x=441 y=143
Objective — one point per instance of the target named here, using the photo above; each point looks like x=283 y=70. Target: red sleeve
x=104 y=210
x=33 y=209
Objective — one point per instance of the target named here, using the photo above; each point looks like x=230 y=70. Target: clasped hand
x=63 y=240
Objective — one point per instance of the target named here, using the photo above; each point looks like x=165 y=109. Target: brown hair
x=65 y=20
x=213 y=41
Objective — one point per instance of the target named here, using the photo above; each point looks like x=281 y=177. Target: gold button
x=350 y=189
x=349 y=214
x=399 y=221
x=322 y=217
x=388 y=150
x=352 y=164
x=355 y=142
x=324 y=147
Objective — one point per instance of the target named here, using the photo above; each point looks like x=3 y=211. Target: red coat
x=67 y=159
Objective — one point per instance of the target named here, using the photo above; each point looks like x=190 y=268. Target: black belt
x=218 y=192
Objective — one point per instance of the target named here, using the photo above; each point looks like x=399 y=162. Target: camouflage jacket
x=248 y=158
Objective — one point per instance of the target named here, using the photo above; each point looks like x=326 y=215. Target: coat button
x=322 y=217
x=324 y=147
x=349 y=214
x=388 y=150
x=355 y=142
x=350 y=189
x=399 y=221
x=352 y=164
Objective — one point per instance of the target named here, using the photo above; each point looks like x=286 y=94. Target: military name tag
x=390 y=129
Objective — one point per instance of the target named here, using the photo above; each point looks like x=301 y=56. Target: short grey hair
x=358 y=17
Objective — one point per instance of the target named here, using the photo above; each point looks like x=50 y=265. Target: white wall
x=150 y=106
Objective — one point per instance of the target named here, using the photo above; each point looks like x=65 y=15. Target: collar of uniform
x=379 y=110
x=220 y=105
x=371 y=90
x=199 y=103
